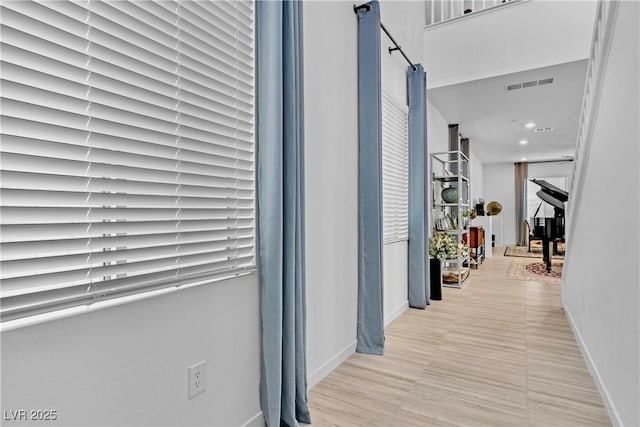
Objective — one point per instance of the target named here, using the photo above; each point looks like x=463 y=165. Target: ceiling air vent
x=532 y=83
x=543 y=129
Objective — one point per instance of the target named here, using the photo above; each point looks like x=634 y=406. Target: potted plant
x=468 y=215
x=442 y=246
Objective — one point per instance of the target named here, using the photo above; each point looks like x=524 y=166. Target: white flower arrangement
x=442 y=246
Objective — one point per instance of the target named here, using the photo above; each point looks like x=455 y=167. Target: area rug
x=524 y=269
x=522 y=252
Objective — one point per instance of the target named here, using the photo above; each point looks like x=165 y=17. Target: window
x=395 y=185
x=127 y=149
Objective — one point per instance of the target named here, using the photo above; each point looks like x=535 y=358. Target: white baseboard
x=316 y=376
x=256 y=421
x=395 y=313
x=604 y=394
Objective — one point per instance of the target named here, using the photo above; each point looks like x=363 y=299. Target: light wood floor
x=498 y=352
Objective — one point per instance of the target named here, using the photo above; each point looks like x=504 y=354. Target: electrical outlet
x=197 y=379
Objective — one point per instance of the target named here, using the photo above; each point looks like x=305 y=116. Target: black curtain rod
x=391 y=49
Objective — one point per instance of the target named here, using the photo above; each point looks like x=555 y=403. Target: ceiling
x=494 y=118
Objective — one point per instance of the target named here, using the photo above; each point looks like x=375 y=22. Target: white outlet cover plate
x=197 y=378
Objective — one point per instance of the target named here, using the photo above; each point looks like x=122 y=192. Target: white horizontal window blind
x=127 y=148
x=395 y=179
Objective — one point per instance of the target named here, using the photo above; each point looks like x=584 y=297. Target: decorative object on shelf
x=454 y=275
x=467 y=215
x=447 y=223
x=441 y=224
x=450 y=195
x=453 y=222
x=494 y=208
x=443 y=246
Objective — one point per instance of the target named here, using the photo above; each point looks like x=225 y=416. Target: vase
x=450 y=195
x=435 y=275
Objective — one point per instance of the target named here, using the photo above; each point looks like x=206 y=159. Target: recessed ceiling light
x=530 y=125
x=524 y=142
x=523 y=159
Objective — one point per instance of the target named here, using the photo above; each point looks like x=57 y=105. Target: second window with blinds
x=395 y=200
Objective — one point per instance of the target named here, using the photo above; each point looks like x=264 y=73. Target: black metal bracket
x=391 y=49
x=397 y=46
x=362 y=6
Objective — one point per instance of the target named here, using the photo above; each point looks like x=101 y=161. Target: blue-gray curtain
x=280 y=185
x=418 y=256
x=370 y=291
x=521 y=172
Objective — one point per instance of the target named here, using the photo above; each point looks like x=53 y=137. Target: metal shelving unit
x=451 y=168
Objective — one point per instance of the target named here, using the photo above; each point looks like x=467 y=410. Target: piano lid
x=551 y=200
x=553 y=191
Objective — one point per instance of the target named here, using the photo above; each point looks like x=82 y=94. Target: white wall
x=396 y=273
x=399 y=18
x=600 y=288
x=509 y=39
x=331 y=133
x=331 y=155
x=127 y=365
x=499 y=186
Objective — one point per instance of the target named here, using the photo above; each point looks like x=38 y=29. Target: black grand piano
x=553 y=229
